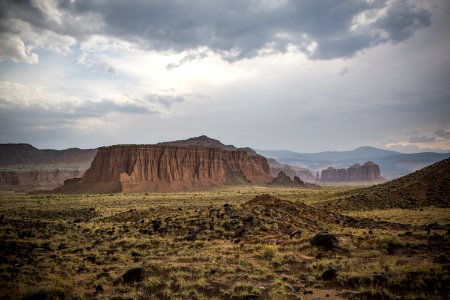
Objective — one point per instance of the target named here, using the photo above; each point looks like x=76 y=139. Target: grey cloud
x=421 y=139
x=443 y=134
x=402 y=20
x=105 y=67
x=186 y=59
x=67 y=112
x=344 y=71
x=166 y=100
x=14 y=48
x=233 y=29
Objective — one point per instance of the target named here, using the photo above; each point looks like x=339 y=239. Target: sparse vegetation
x=215 y=245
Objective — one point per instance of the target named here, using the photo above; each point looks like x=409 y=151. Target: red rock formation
x=25 y=181
x=27 y=168
x=356 y=173
x=276 y=168
x=291 y=171
x=282 y=180
x=141 y=168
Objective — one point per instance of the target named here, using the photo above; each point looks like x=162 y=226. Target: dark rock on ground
x=329 y=274
x=325 y=240
x=99 y=288
x=134 y=275
x=190 y=236
x=91 y=258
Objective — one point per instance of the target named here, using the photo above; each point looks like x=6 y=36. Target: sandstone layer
x=164 y=168
x=25 y=168
x=25 y=181
x=356 y=173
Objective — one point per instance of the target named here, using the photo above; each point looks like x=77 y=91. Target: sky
x=302 y=75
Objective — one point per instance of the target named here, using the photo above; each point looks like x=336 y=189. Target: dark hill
x=429 y=186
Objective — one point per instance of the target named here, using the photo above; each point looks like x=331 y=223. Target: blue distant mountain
x=392 y=164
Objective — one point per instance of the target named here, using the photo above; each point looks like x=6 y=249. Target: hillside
x=429 y=186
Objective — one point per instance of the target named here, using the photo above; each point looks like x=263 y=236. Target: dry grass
x=79 y=246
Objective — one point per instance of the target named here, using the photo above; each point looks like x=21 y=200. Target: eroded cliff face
x=159 y=168
x=356 y=173
x=25 y=181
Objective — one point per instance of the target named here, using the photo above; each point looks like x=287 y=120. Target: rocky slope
x=165 y=168
x=356 y=173
x=25 y=168
x=429 y=186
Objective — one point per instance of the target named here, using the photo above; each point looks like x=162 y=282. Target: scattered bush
x=269 y=251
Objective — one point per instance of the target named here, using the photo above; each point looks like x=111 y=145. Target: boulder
x=329 y=274
x=134 y=275
x=325 y=240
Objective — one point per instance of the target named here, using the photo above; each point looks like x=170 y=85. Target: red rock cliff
x=25 y=181
x=367 y=172
x=141 y=168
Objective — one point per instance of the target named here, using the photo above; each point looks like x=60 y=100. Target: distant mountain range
x=392 y=164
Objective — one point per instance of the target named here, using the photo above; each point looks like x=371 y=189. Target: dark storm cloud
x=233 y=29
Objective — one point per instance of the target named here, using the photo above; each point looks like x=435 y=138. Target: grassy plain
x=217 y=245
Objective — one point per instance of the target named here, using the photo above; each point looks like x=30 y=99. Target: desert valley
x=197 y=219
x=243 y=150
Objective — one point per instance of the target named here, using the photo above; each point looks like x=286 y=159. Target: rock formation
x=276 y=168
x=291 y=171
x=207 y=142
x=282 y=180
x=25 y=168
x=24 y=181
x=166 y=168
x=428 y=187
x=25 y=155
x=356 y=173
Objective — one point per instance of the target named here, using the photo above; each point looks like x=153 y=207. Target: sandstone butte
x=164 y=168
x=367 y=172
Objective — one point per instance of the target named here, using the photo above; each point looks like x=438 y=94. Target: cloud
x=14 y=48
x=443 y=134
x=95 y=63
x=196 y=55
x=234 y=30
x=30 y=25
x=166 y=100
x=421 y=139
